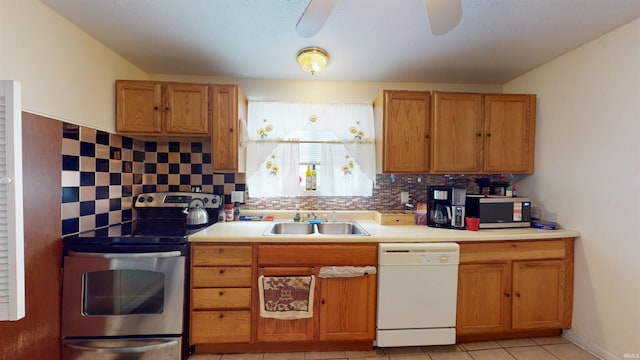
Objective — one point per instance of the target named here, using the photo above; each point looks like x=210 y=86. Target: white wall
x=65 y=73
x=588 y=179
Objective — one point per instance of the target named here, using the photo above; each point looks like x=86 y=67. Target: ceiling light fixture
x=312 y=59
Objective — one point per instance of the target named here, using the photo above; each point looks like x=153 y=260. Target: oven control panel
x=177 y=199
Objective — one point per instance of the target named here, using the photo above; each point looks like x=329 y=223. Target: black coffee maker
x=445 y=206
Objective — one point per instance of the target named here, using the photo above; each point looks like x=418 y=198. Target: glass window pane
x=123 y=292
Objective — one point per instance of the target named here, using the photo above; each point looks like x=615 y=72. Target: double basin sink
x=349 y=228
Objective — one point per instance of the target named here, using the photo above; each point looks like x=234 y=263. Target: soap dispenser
x=296 y=217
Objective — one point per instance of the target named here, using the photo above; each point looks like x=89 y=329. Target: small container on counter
x=228 y=210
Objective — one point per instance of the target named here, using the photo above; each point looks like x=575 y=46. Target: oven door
x=114 y=349
x=114 y=294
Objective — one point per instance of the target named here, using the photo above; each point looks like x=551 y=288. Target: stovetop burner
x=160 y=223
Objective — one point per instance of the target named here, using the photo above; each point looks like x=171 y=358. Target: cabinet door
x=484 y=298
x=224 y=135
x=538 y=294
x=276 y=330
x=138 y=107
x=509 y=127
x=187 y=109
x=347 y=308
x=406 y=132
x=457 y=133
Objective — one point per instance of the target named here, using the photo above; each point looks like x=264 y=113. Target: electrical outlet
x=404 y=197
x=237 y=196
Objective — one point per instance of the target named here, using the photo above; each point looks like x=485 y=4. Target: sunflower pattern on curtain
x=276 y=131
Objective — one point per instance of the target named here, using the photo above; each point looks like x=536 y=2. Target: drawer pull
x=220 y=250
x=221 y=271
x=507 y=294
x=517 y=294
x=221 y=316
x=221 y=293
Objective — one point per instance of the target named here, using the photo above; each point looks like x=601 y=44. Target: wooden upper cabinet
x=229 y=109
x=483 y=133
x=509 y=127
x=138 y=107
x=402 y=131
x=457 y=133
x=162 y=108
x=187 y=109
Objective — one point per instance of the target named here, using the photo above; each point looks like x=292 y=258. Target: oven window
x=123 y=292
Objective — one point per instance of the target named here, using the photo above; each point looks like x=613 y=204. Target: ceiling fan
x=443 y=16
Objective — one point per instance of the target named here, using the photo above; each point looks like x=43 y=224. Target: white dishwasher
x=417 y=293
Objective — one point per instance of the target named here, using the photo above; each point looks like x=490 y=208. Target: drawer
x=221 y=298
x=512 y=250
x=221 y=276
x=205 y=254
x=220 y=327
x=321 y=254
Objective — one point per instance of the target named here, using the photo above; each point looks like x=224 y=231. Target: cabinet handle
x=221 y=293
x=167 y=108
x=426 y=136
x=220 y=250
x=155 y=108
x=488 y=134
x=221 y=316
x=517 y=294
x=322 y=302
x=231 y=130
x=507 y=294
x=221 y=271
x=479 y=134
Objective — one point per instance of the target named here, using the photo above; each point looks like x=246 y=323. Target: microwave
x=499 y=211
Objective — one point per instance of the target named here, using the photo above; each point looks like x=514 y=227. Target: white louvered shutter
x=12 y=287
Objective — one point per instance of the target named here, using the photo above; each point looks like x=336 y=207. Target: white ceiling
x=368 y=40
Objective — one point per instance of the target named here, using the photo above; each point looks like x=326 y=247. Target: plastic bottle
x=308 y=175
x=229 y=212
x=314 y=179
x=236 y=211
x=514 y=191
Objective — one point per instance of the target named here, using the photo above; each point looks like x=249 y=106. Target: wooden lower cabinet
x=513 y=289
x=483 y=299
x=221 y=294
x=225 y=314
x=347 y=308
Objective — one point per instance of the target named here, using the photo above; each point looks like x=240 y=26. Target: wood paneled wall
x=37 y=335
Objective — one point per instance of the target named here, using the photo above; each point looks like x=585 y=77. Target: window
x=284 y=138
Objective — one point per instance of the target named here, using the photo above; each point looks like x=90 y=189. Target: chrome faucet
x=312 y=215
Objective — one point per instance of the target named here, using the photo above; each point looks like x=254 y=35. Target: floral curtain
x=347 y=159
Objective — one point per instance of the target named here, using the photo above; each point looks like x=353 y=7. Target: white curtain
x=346 y=134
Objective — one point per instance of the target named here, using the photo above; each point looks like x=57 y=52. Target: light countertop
x=252 y=231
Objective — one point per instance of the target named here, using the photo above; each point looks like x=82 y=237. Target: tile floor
x=543 y=348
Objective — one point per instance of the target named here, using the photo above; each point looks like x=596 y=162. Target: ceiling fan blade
x=443 y=15
x=314 y=17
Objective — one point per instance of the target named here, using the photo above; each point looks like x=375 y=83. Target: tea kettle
x=196 y=215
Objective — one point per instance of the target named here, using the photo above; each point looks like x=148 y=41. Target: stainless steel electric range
x=124 y=287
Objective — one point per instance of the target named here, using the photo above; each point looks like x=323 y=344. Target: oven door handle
x=163 y=254
x=123 y=349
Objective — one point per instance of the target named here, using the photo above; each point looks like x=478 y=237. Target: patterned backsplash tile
x=102 y=173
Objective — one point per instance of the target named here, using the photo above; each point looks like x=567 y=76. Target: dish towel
x=286 y=297
x=346 y=271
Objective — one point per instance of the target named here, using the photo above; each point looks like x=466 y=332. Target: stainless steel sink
x=342 y=228
x=289 y=228
x=331 y=228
